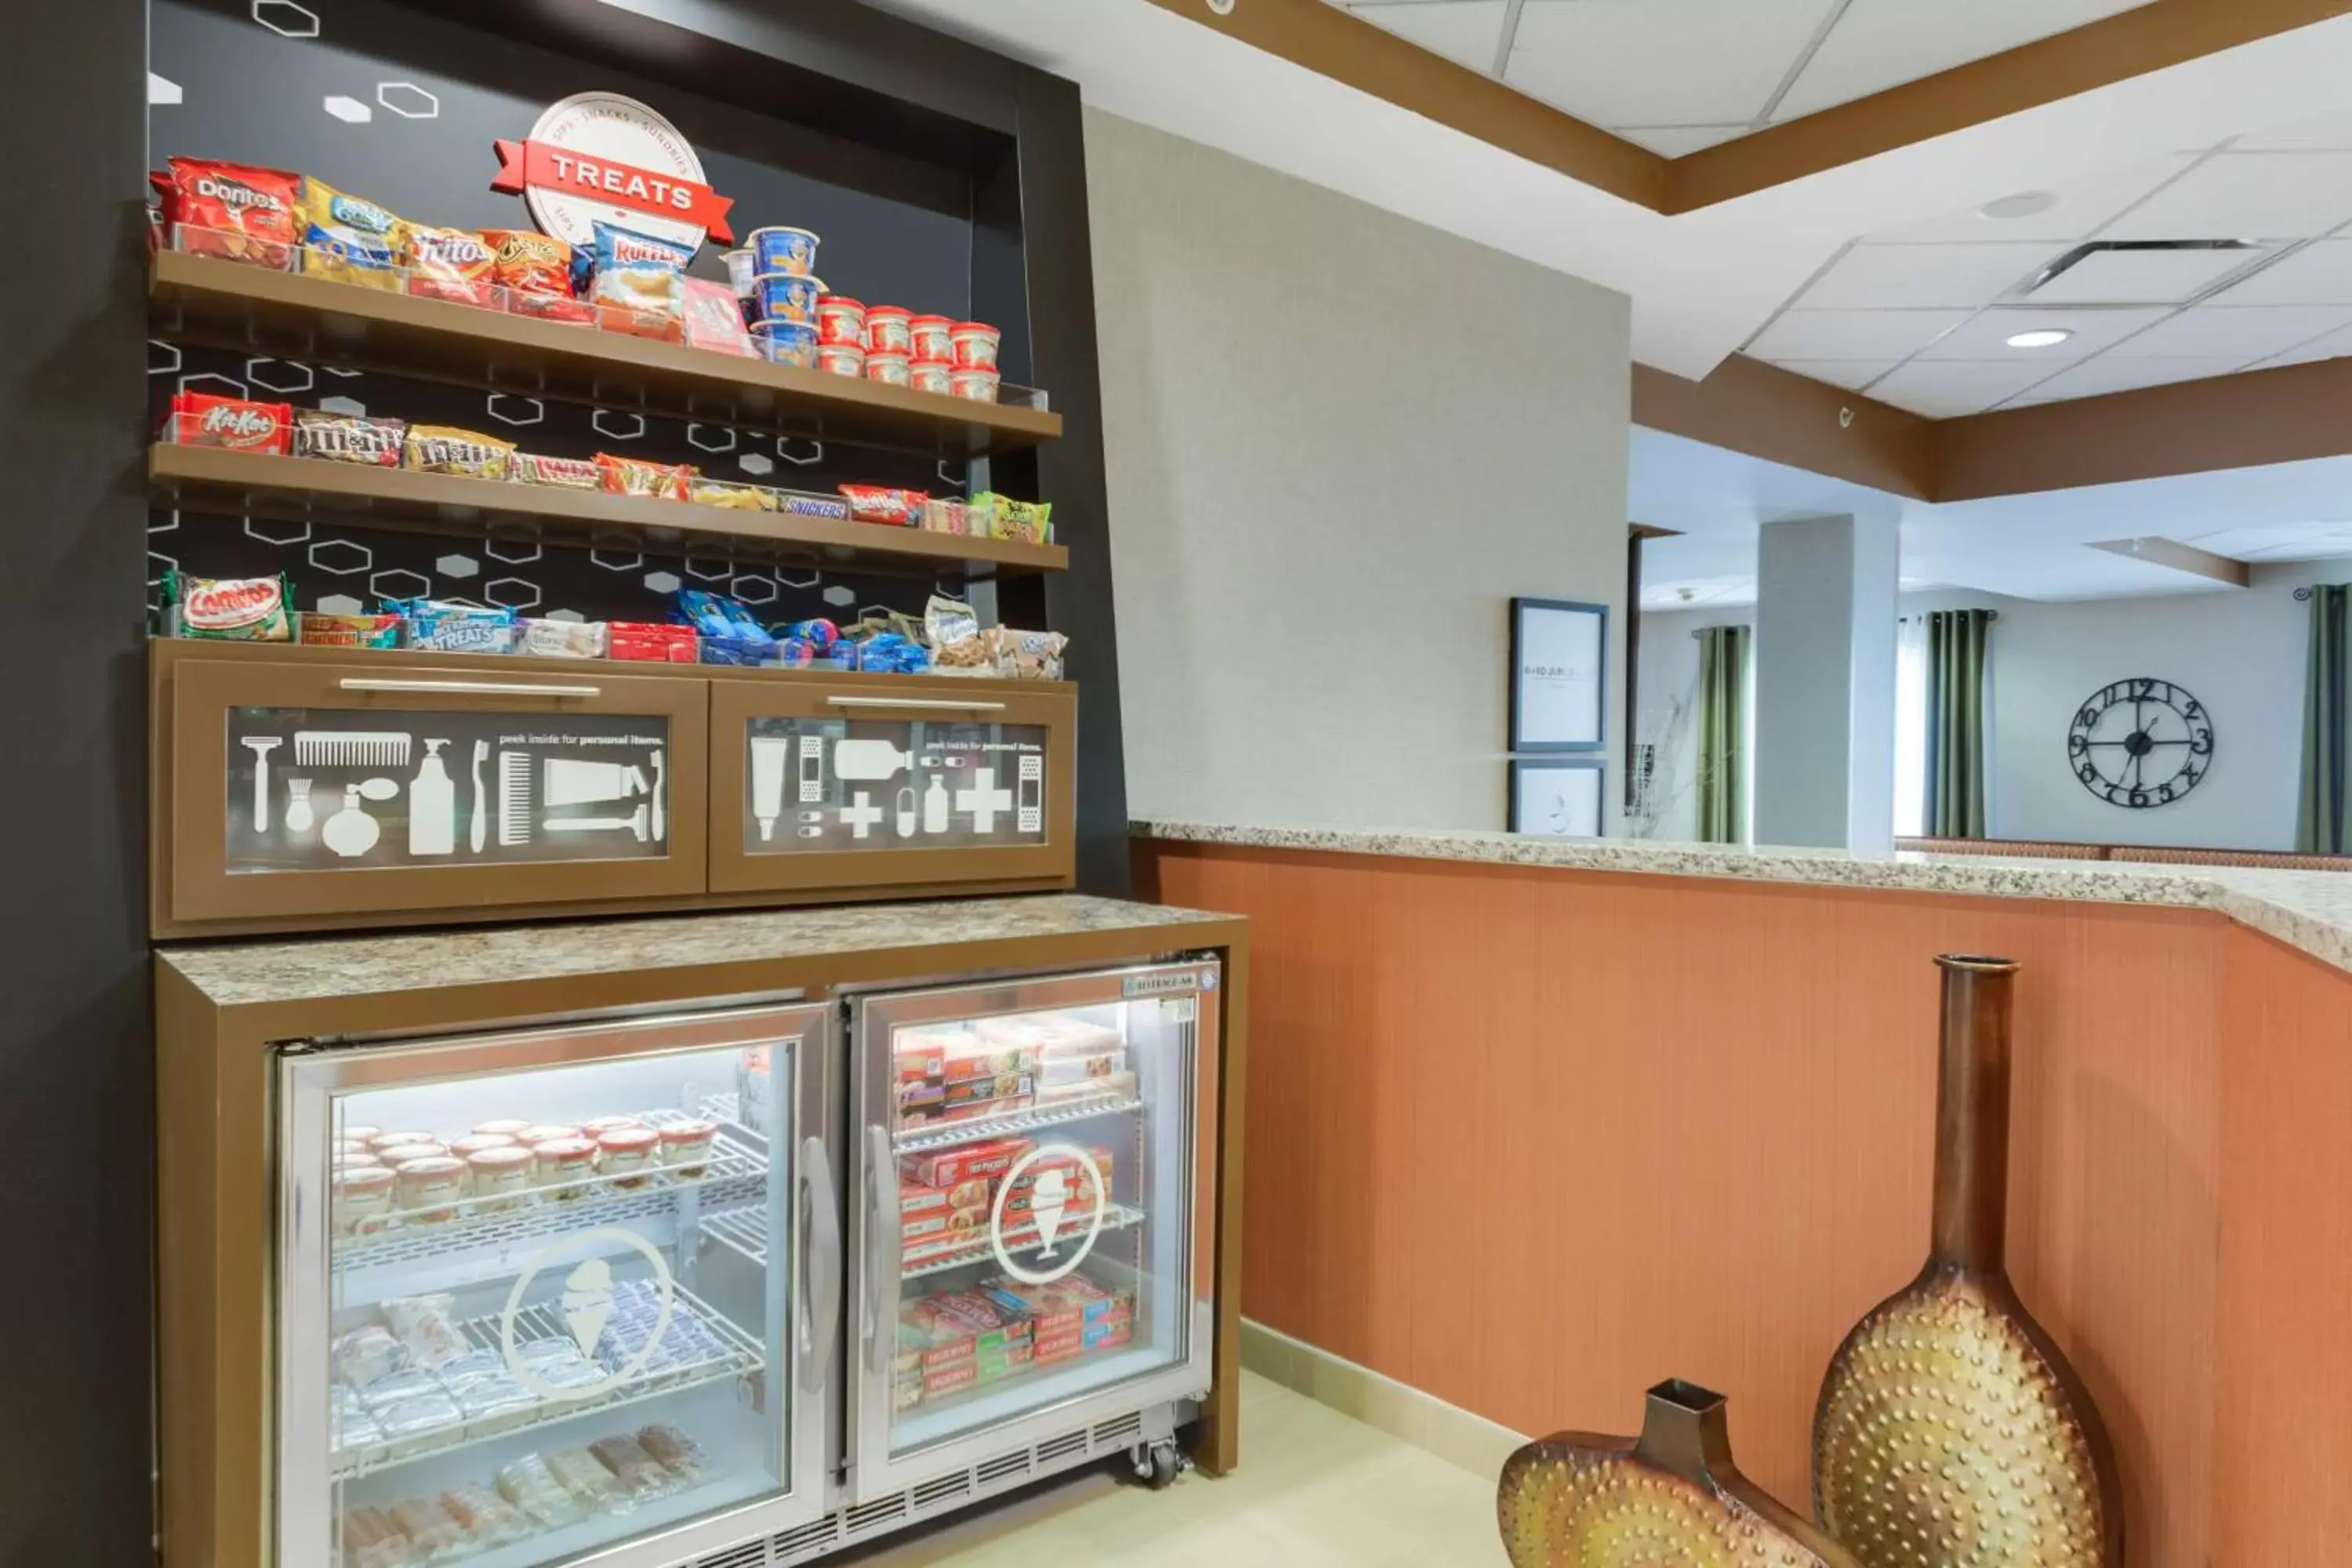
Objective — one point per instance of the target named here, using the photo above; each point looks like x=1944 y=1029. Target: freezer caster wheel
x=1158 y=1465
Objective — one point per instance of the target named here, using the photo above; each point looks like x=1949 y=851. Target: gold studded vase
x=1951 y=1432
x=1670 y=1498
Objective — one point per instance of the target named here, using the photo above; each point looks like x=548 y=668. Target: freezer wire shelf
x=728 y=1353
x=929 y=1136
x=1025 y=1240
x=734 y=1174
x=744 y=1230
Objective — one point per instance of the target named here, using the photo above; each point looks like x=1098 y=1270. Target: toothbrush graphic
x=481 y=827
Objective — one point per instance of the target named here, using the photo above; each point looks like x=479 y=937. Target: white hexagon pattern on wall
x=213 y=385
x=608 y=423
x=286 y=19
x=754 y=589
x=621 y=560
x=756 y=463
x=351 y=406
x=708 y=571
x=346 y=372
x=350 y=110
x=790 y=581
x=513 y=551
x=288 y=376
x=838 y=596
x=162 y=92
x=407 y=99
x=342 y=558
x=662 y=582
x=709 y=438
x=457 y=566
x=280 y=533
x=512 y=593
x=157 y=364
x=340 y=604
x=519 y=410
x=399 y=583
x=784 y=450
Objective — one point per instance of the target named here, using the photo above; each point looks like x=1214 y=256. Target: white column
x=1824 y=720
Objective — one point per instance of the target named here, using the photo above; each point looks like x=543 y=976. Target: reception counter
x=1539 y=1122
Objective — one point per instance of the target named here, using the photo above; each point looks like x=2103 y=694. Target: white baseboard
x=1403 y=1412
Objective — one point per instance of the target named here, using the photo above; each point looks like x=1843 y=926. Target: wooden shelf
x=309 y=489
x=225 y=304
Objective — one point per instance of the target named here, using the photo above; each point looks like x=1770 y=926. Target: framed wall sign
x=1557 y=796
x=1559 y=654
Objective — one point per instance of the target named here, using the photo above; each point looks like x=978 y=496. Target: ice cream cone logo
x=1051 y=1198
x=584 y=1308
x=588 y=1302
x=1064 y=1173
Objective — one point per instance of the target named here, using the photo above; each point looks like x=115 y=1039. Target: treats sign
x=600 y=157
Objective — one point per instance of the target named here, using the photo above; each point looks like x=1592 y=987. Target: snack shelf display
x=708 y=1348
x=238 y=483
x=208 y=300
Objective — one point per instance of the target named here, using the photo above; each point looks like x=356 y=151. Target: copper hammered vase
x=1670 y=1498
x=1951 y=1432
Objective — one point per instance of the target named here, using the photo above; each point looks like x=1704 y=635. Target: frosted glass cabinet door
x=1031 y=1236
x=555 y=1292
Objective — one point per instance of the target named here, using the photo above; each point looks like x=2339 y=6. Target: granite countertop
x=2308 y=909
x=314 y=968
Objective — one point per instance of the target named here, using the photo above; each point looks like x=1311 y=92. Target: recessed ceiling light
x=2040 y=338
x=2025 y=204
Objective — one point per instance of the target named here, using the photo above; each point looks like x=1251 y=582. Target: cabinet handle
x=951 y=703
x=882 y=1242
x=471 y=688
x=819 y=1265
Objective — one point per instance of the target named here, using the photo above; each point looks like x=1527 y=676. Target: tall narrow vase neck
x=1972 y=1115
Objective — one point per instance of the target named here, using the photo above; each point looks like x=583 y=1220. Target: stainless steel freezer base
x=950 y=1494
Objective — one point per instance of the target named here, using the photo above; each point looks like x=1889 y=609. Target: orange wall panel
x=1531 y=1139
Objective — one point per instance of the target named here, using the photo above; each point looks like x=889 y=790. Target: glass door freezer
x=563 y=1295
x=1030 y=1221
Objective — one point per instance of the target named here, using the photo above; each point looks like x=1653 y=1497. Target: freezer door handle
x=881 y=1249
x=819 y=1265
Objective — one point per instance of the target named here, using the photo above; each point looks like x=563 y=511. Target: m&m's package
x=233 y=211
x=349 y=238
x=441 y=449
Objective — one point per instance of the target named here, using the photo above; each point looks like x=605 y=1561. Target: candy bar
x=441 y=449
x=636 y=477
x=563 y=639
x=647 y=641
x=563 y=473
x=230 y=609
x=731 y=495
x=348 y=438
x=878 y=503
x=795 y=503
x=239 y=424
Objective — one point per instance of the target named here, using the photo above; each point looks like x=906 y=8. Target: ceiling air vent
x=2143 y=271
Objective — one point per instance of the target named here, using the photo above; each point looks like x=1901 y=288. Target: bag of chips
x=453 y=263
x=233 y=211
x=528 y=262
x=636 y=282
x=439 y=449
x=349 y=238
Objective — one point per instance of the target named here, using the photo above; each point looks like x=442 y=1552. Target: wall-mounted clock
x=2140 y=743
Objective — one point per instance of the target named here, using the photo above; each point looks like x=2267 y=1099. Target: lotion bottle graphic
x=935 y=805
x=432 y=805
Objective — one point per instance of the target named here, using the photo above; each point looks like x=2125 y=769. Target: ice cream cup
x=886 y=331
x=931 y=339
x=978 y=385
x=924 y=376
x=781 y=297
x=790 y=252
x=786 y=343
x=840 y=320
x=975 y=344
x=893 y=369
x=841 y=359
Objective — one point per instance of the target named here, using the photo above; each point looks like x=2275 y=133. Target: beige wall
x=1338 y=443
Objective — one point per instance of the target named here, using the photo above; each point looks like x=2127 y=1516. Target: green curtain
x=1956 y=732
x=1722 y=734
x=2322 y=824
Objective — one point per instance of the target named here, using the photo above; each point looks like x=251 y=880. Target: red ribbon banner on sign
x=562 y=170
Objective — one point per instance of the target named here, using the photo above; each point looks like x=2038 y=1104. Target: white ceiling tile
x=1884 y=277
x=2142 y=277
x=1466 y=32
x=2108 y=374
x=1879 y=44
x=2277 y=542
x=1986 y=335
x=1853 y=374
x=1679 y=141
x=2247 y=195
x=2329 y=131
x=2081 y=205
x=2239 y=333
x=1852 y=334
x=1945 y=389
x=1660 y=62
x=2334 y=345
x=2319 y=274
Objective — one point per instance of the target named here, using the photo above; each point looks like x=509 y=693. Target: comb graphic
x=349 y=749
x=514 y=797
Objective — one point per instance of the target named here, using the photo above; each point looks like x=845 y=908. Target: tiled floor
x=1315 y=1490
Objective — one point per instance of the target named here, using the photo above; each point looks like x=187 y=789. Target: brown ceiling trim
x=1337 y=44
x=2099 y=54
x=2242 y=421
x=2173 y=556
x=1748 y=406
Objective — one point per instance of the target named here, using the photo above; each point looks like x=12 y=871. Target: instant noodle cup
x=840 y=320
x=978 y=386
x=887 y=331
x=975 y=344
x=790 y=252
x=890 y=369
x=841 y=359
x=926 y=375
x=787 y=342
x=931 y=340
x=781 y=298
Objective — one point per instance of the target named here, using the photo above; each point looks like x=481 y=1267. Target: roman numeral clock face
x=2141 y=743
